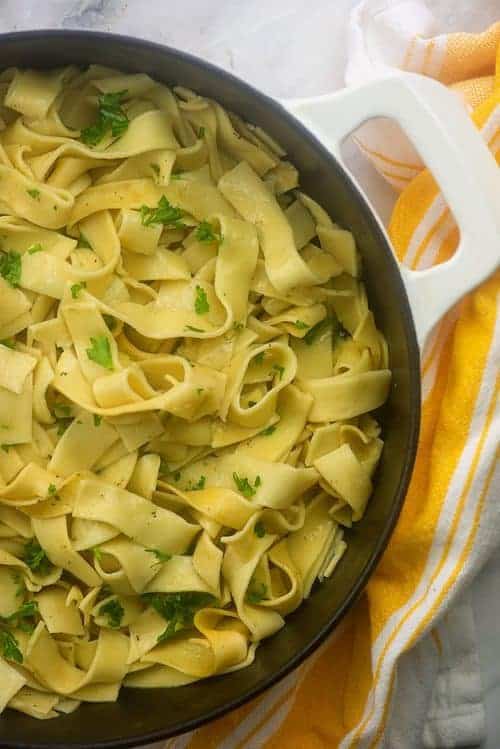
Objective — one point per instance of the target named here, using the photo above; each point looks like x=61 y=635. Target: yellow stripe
x=446 y=549
x=428 y=54
x=387 y=159
x=409 y=53
x=432 y=231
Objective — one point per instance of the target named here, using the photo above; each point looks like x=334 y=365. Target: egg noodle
x=187 y=369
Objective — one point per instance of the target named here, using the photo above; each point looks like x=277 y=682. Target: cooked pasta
x=188 y=366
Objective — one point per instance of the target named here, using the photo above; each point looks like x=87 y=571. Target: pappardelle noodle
x=187 y=369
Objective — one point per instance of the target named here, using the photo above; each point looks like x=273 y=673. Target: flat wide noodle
x=188 y=366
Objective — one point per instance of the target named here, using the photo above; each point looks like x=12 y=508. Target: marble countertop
x=290 y=49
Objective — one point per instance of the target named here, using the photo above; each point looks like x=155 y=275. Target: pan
x=406 y=304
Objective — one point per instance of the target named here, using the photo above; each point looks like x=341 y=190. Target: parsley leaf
x=245 y=487
x=97 y=420
x=268 y=431
x=279 y=369
x=83 y=242
x=114 y=612
x=259 y=358
x=161 y=556
x=10 y=646
x=111 y=116
x=178 y=609
x=35 y=248
x=97 y=552
x=52 y=490
x=201 y=132
x=200 y=484
x=207 y=233
x=23 y=617
x=10 y=267
x=34 y=193
x=201 y=305
x=9 y=342
x=259 y=529
x=317 y=331
x=76 y=288
x=165 y=213
x=62 y=410
x=36 y=558
x=256 y=593
x=301 y=325
x=100 y=352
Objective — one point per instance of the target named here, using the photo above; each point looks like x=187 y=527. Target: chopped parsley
x=200 y=484
x=301 y=325
x=83 y=242
x=268 y=431
x=36 y=558
x=114 y=612
x=177 y=175
x=238 y=326
x=206 y=233
x=100 y=352
x=111 y=116
x=245 y=487
x=251 y=404
x=35 y=248
x=10 y=267
x=163 y=469
x=161 y=556
x=259 y=358
x=201 y=305
x=97 y=552
x=279 y=369
x=62 y=410
x=34 y=193
x=201 y=132
x=9 y=342
x=76 y=288
x=256 y=593
x=97 y=420
x=259 y=529
x=23 y=617
x=178 y=609
x=62 y=425
x=317 y=331
x=52 y=490
x=10 y=646
x=165 y=213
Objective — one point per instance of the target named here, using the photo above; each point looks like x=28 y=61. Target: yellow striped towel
x=347 y=695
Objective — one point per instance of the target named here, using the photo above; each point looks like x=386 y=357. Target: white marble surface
x=290 y=48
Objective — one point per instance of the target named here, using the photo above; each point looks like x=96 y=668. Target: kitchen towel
x=402 y=670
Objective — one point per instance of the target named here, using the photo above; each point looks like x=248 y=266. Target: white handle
x=448 y=143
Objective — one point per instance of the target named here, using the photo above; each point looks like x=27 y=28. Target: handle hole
x=388 y=167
